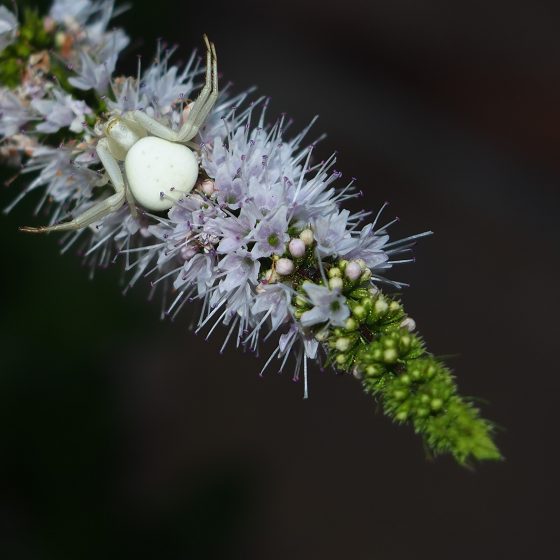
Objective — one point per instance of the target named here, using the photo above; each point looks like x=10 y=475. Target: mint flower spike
x=261 y=241
x=376 y=345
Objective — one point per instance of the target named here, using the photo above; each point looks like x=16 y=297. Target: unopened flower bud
x=353 y=271
x=366 y=275
x=362 y=264
x=342 y=344
x=336 y=283
x=297 y=248
x=436 y=404
x=207 y=187
x=334 y=272
x=359 y=311
x=307 y=236
x=60 y=39
x=409 y=324
x=322 y=335
x=390 y=355
x=284 y=267
x=381 y=305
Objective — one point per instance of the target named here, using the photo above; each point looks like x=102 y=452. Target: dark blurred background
x=126 y=437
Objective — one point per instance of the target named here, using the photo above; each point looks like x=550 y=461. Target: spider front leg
x=199 y=111
x=101 y=209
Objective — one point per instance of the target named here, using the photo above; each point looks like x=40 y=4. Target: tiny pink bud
x=207 y=187
x=296 y=248
x=284 y=267
x=353 y=270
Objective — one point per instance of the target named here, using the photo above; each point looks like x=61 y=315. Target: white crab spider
x=158 y=166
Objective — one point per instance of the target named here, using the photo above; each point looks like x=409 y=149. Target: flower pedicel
x=191 y=186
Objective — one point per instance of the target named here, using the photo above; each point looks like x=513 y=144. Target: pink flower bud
x=296 y=248
x=284 y=267
x=207 y=187
x=353 y=270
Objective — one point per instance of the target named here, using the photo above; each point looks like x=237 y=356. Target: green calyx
x=394 y=366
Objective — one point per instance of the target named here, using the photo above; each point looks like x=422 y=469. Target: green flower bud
x=322 y=335
x=359 y=312
x=336 y=283
x=366 y=275
x=381 y=305
x=390 y=356
x=436 y=404
x=342 y=344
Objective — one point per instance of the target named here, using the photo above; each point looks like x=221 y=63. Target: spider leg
x=101 y=209
x=206 y=99
x=199 y=111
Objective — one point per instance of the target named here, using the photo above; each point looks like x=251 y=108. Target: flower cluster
x=262 y=241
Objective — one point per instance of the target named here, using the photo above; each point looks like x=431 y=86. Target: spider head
x=122 y=133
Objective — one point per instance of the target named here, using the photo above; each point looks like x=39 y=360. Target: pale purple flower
x=64 y=181
x=328 y=306
x=198 y=271
x=368 y=247
x=76 y=10
x=273 y=301
x=271 y=235
x=240 y=268
x=8 y=27
x=229 y=191
x=234 y=231
x=13 y=114
x=332 y=235
x=62 y=111
x=94 y=75
x=90 y=17
x=163 y=84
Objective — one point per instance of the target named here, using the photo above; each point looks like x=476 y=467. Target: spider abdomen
x=155 y=166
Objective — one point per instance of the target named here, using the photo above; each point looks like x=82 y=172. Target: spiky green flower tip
x=377 y=345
